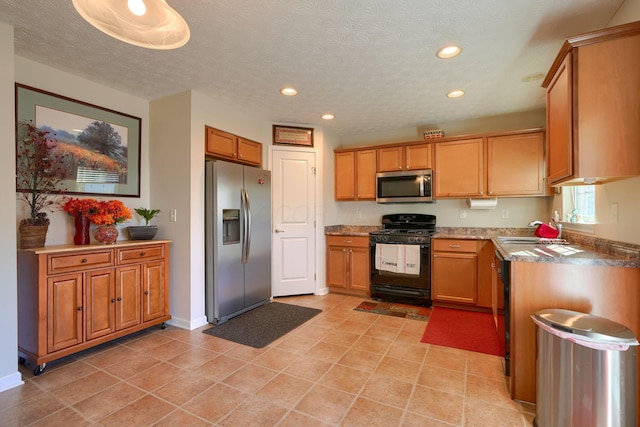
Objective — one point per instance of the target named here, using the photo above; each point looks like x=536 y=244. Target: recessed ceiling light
x=455 y=93
x=448 y=52
x=328 y=116
x=288 y=91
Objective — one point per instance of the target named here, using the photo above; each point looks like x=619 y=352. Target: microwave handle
x=425 y=188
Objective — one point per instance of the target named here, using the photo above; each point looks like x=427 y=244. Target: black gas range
x=411 y=285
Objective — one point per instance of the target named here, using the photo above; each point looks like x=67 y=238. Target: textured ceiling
x=371 y=63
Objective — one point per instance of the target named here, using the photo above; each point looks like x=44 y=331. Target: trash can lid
x=586 y=325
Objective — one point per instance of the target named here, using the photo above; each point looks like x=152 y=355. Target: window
x=579 y=204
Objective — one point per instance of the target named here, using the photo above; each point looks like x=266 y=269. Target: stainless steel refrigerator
x=238 y=239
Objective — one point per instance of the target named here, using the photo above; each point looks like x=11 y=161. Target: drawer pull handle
x=79 y=308
x=348 y=241
x=84 y=260
x=146 y=292
x=454 y=246
x=142 y=253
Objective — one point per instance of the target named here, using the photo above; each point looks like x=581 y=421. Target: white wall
x=9 y=375
x=53 y=80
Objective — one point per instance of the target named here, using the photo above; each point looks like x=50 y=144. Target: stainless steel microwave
x=404 y=187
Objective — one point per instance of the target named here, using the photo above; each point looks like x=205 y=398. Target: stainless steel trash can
x=585 y=371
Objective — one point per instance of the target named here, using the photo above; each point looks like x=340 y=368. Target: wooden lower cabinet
x=71 y=298
x=606 y=291
x=348 y=259
x=461 y=272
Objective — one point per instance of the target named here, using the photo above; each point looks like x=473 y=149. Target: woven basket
x=33 y=236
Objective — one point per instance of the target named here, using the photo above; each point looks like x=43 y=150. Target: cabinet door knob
x=119 y=298
x=146 y=292
x=84 y=260
x=79 y=308
x=113 y=300
x=143 y=253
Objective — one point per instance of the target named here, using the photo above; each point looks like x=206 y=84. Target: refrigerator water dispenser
x=230 y=226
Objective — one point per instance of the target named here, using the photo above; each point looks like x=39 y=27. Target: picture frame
x=98 y=165
x=292 y=135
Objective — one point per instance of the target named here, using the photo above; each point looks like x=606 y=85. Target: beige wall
x=9 y=375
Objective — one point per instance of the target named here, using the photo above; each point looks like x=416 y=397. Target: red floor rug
x=466 y=330
x=394 y=309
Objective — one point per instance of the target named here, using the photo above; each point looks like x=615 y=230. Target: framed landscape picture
x=102 y=146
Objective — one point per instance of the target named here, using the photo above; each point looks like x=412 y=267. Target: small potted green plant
x=146 y=231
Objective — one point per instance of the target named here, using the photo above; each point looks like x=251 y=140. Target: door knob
x=279 y=231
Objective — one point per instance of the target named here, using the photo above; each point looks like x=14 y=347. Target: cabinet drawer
x=349 y=241
x=454 y=245
x=142 y=253
x=82 y=261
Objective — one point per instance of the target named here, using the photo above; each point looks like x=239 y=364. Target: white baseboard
x=11 y=381
x=188 y=324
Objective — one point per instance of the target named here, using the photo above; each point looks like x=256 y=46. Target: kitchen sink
x=517 y=239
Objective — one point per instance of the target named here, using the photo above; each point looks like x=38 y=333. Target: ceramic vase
x=81 y=235
x=106 y=234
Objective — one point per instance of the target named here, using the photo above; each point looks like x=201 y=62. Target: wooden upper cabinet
x=249 y=151
x=224 y=145
x=390 y=159
x=559 y=124
x=593 y=107
x=515 y=165
x=366 y=175
x=405 y=157
x=459 y=170
x=355 y=175
x=345 y=175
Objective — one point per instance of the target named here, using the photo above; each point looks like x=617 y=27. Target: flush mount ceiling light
x=146 y=23
x=455 y=94
x=448 y=52
x=328 y=117
x=288 y=91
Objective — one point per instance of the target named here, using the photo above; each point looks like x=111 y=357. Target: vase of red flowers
x=81 y=210
x=107 y=215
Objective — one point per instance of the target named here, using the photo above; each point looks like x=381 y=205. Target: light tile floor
x=342 y=368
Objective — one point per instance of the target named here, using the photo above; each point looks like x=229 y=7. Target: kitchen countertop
x=581 y=250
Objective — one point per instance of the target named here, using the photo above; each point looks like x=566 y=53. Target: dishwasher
x=503 y=268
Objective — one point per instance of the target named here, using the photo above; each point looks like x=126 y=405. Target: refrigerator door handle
x=248 y=221
x=245 y=225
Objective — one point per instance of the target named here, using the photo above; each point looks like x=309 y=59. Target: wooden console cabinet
x=71 y=298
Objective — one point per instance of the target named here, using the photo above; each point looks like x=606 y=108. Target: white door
x=294 y=213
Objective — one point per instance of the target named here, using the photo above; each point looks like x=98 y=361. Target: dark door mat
x=412 y=312
x=263 y=325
